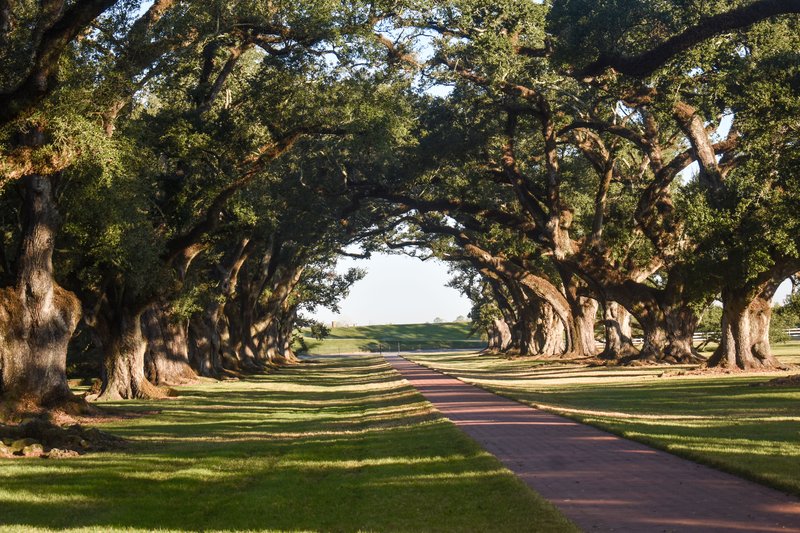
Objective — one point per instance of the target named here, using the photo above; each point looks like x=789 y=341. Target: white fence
x=705 y=336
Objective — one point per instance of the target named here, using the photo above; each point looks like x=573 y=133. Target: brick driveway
x=600 y=481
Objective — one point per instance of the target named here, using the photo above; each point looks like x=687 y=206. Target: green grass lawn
x=406 y=337
x=721 y=420
x=341 y=444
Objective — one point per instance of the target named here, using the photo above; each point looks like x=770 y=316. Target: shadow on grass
x=342 y=444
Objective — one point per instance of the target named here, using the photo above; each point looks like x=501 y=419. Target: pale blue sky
x=398 y=289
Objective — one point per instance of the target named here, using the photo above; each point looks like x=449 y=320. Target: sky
x=398 y=289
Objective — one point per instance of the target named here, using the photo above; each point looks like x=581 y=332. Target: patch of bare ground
x=711 y=371
x=59 y=434
x=788 y=381
x=40 y=438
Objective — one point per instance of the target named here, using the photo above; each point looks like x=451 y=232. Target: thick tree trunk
x=207 y=342
x=667 y=320
x=205 y=346
x=681 y=324
x=668 y=336
x=584 y=315
x=528 y=325
x=745 y=334
x=242 y=346
x=538 y=286
x=37 y=317
x=499 y=337
x=269 y=351
x=549 y=335
x=124 y=347
x=167 y=354
x=619 y=336
x=285 y=330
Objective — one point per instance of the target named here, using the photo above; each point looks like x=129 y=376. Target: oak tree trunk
x=205 y=346
x=285 y=330
x=167 y=354
x=124 y=348
x=668 y=338
x=499 y=337
x=745 y=334
x=208 y=337
x=584 y=312
x=549 y=334
x=619 y=336
x=37 y=316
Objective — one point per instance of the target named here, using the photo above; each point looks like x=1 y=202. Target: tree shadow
x=343 y=445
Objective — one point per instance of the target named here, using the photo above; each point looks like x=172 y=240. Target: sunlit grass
x=725 y=420
x=342 y=444
x=393 y=337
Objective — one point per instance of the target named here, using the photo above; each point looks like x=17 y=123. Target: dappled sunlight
x=26 y=496
x=360 y=463
x=440 y=478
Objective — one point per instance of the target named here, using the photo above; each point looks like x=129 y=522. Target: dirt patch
x=788 y=381
x=41 y=438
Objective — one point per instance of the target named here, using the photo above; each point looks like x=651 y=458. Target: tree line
x=178 y=178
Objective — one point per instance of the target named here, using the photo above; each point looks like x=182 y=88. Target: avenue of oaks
x=178 y=178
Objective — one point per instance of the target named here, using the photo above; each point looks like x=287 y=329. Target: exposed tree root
x=39 y=437
x=788 y=381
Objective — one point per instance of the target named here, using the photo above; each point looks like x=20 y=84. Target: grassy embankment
x=723 y=420
x=338 y=445
x=409 y=337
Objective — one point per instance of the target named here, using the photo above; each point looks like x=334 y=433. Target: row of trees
x=175 y=184
x=178 y=177
x=628 y=156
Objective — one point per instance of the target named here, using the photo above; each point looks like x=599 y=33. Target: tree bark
x=205 y=346
x=499 y=337
x=668 y=334
x=208 y=343
x=124 y=348
x=745 y=333
x=167 y=354
x=619 y=336
x=37 y=317
x=549 y=334
x=584 y=315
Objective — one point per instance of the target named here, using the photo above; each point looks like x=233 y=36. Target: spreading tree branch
x=646 y=63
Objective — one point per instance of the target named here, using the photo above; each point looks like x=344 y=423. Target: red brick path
x=600 y=481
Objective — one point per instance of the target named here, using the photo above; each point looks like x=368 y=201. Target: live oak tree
x=180 y=195
x=48 y=128
x=182 y=174
x=644 y=135
x=735 y=60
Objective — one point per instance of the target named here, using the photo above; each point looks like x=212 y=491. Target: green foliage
x=711 y=320
x=786 y=316
x=319 y=331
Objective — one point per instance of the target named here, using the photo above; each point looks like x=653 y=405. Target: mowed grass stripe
x=394 y=337
x=339 y=444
